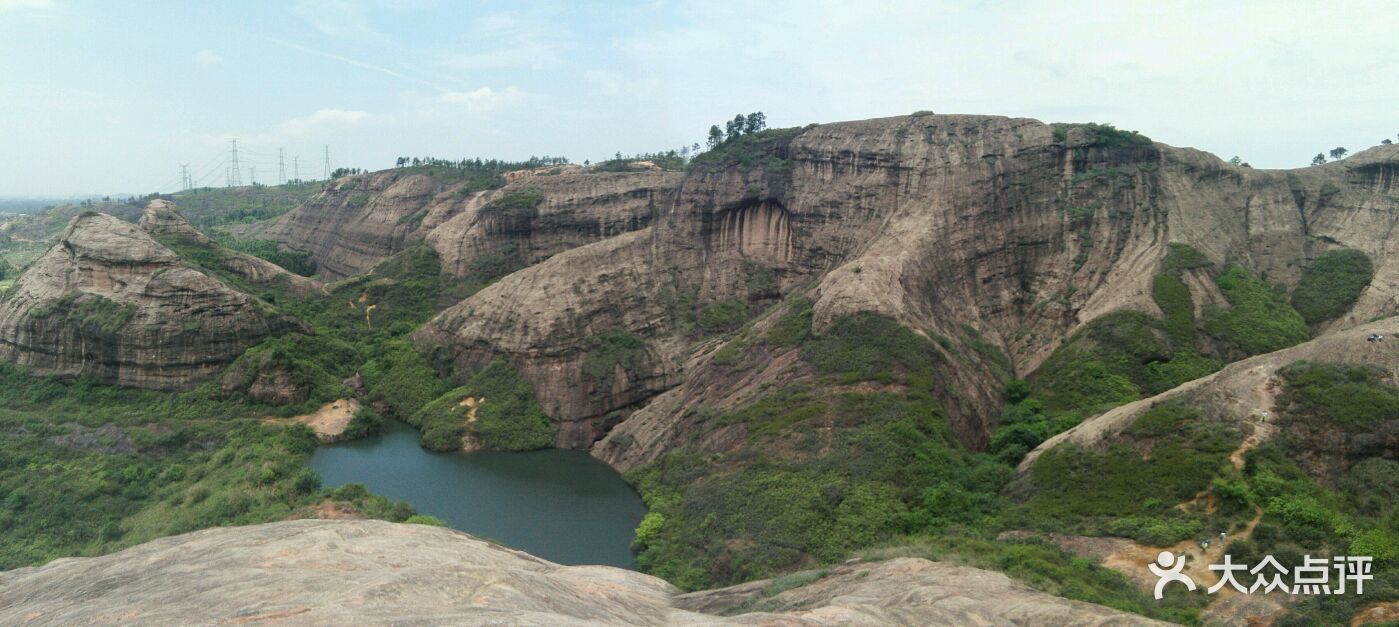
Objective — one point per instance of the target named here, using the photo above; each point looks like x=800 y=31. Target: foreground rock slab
x=337 y=572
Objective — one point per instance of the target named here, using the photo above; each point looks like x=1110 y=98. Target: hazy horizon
x=110 y=99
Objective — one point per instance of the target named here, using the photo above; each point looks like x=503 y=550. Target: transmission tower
x=184 y=176
x=296 y=168
x=327 y=162
x=252 y=175
x=281 y=168
x=235 y=175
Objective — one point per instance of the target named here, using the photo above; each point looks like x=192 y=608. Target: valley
x=917 y=342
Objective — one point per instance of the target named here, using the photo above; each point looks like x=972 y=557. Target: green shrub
x=1181 y=257
x=1330 y=286
x=1080 y=490
x=869 y=347
x=609 y=351
x=520 y=204
x=1173 y=297
x=766 y=148
x=794 y=327
x=1102 y=135
x=1351 y=397
x=295 y=261
x=1259 y=320
x=723 y=316
x=93 y=313
x=401 y=379
x=1081 y=213
x=424 y=519
x=507 y=415
x=364 y=423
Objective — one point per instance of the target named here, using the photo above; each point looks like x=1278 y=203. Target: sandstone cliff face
x=361 y=220
x=111 y=302
x=1009 y=227
x=577 y=208
x=360 y=572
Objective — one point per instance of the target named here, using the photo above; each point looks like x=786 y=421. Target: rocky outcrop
x=361 y=220
x=1243 y=392
x=362 y=572
x=983 y=230
x=109 y=301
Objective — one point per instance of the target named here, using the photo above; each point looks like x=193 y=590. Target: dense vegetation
x=861 y=456
x=208 y=207
x=294 y=261
x=1259 y=319
x=496 y=409
x=1316 y=495
x=1331 y=284
x=823 y=472
x=87 y=469
x=1122 y=491
x=766 y=148
x=1102 y=135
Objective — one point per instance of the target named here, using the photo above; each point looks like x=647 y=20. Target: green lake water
x=563 y=506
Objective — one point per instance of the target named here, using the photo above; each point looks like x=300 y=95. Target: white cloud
x=336 y=18
x=483 y=99
x=206 y=58
x=322 y=122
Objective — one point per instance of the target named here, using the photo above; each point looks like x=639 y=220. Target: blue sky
x=109 y=97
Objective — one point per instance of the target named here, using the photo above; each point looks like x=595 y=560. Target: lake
x=563 y=506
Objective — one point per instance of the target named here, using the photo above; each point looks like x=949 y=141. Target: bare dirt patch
x=330 y=420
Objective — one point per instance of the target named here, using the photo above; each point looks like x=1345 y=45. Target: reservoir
x=563 y=506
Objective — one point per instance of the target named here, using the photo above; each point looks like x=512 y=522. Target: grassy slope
x=87 y=469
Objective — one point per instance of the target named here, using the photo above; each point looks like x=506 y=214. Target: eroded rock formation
x=109 y=301
x=362 y=220
x=972 y=228
x=362 y=572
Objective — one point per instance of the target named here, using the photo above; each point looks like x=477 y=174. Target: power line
x=235 y=177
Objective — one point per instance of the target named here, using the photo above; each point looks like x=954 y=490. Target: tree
x=716 y=136
x=755 y=122
x=734 y=127
x=1236 y=160
x=1318 y=159
x=1338 y=152
x=1386 y=141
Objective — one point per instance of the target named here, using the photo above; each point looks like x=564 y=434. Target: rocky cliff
x=361 y=220
x=982 y=231
x=111 y=302
x=321 y=572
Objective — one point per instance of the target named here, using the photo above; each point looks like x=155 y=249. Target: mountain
x=996 y=237
x=362 y=220
x=966 y=338
x=111 y=302
x=334 y=572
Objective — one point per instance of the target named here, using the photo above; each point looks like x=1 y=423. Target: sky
x=110 y=97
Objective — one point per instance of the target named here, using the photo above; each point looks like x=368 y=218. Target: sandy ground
x=330 y=420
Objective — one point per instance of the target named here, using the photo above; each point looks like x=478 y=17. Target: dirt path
x=1132 y=559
